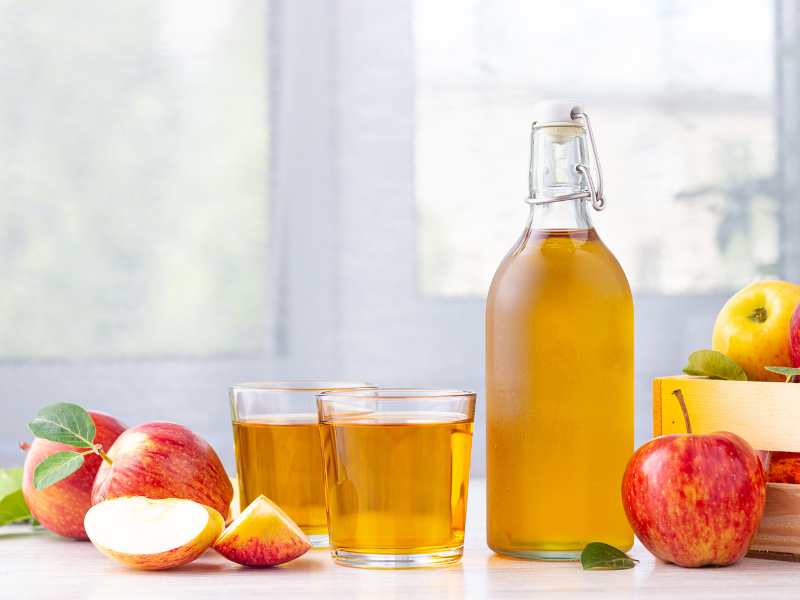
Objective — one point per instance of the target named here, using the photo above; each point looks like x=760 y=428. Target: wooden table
x=41 y=566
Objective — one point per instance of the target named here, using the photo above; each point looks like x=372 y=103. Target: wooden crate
x=767 y=415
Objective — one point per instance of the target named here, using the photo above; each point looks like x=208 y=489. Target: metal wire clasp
x=595 y=193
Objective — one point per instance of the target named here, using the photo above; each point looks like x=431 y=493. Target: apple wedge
x=262 y=536
x=152 y=534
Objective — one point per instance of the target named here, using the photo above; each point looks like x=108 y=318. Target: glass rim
x=301 y=385
x=379 y=393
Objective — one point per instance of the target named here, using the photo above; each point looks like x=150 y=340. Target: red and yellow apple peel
x=695 y=500
x=262 y=536
x=164 y=460
x=62 y=505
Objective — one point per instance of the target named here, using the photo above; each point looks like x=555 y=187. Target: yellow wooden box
x=767 y=415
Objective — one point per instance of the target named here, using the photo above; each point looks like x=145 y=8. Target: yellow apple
x=753 y=327
x=148 y=534
x=262 y=536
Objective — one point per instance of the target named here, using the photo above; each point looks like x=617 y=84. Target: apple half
x=262 y=536
x=148 y=534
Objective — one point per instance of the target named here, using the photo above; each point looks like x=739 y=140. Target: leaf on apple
x=597 y=556
x=68 y=424
x=56 y=467
x=714 y=365
x=65 y=423
x=789 y=372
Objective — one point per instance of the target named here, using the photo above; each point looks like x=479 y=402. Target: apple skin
x=695 y=500
x=794 y=338
x=740 y=334
x=262 y=536
x=62 y=506
x=164 y=460
x=175 y=557
x=784 y=467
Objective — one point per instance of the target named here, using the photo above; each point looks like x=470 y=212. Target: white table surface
x=41 y=566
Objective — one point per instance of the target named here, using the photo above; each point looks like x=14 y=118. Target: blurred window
x=682 y=106
x=134 y=218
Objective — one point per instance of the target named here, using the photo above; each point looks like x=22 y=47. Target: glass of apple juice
x=277 y=447
x=396 y=471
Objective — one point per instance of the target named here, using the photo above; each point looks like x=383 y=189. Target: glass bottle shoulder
x=554 y=256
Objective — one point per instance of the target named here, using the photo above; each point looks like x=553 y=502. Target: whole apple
x=695 y=500
x=753 y=327
x=62 y=506
x=164 y=460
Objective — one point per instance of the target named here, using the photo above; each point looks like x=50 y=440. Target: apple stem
x=99 y=450
x=679 y=395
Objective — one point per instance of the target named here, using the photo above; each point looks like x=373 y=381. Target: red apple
x=794 y=337
x=784 y=467
x=164 y=460
x=695 y=500
x=62 y=506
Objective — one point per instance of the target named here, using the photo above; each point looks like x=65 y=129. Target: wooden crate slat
x=779 y=530
x=766 y=414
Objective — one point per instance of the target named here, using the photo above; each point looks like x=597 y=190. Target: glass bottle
x=559 y=363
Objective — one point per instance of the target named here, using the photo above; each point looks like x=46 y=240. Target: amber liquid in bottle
x=559 y=378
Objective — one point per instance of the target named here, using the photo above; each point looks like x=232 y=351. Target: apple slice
x=262 y=536
x=152 y=534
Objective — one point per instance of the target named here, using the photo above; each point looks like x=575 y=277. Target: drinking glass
x=277 y=448
x=396 y=470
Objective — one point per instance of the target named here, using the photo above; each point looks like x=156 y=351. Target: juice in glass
x=396 y=481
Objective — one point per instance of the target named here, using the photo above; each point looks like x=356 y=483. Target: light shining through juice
x=559 y=396
x=398 y=483
x=279 y=456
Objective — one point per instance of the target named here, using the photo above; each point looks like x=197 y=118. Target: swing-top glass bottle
x=559 y=362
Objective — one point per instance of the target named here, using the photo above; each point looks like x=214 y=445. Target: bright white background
x=196 y=193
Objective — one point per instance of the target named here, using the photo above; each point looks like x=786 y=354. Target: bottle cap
x=556 y=112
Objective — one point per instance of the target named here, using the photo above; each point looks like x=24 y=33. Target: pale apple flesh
x=262 y=536
x=164 y=460
x=695 y=500
x=753 y=328
x=62 y=506
x=148 y=534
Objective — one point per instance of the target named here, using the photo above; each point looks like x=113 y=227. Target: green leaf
x=12 y=503
x=13 y=508
x=10 y=481
x=788 y=372
x=65 y=423
x=713 y=364
x=597 y=556
x=56 y=467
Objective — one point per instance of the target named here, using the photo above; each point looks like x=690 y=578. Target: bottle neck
x=556 y=151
